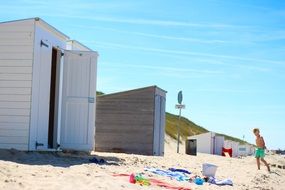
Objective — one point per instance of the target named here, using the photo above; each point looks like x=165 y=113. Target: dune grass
x=188 y=128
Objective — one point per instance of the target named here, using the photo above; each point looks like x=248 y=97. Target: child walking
x=260 y=150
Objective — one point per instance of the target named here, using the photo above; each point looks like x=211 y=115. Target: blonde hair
x=255 y=130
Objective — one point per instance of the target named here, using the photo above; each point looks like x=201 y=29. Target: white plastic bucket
x=209 y=170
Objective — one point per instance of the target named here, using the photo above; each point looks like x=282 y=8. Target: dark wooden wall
x=124 y=122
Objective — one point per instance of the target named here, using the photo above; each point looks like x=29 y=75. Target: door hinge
x=44 y=44
x=39 y=144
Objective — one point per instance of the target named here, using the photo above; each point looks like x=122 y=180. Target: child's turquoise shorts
x=259 y=153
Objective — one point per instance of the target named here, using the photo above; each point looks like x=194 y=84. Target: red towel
x=228 y=150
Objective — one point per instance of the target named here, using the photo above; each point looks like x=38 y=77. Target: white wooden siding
x=16 y=60
x=15 y=48
x=21 y=146
x=15 y=90
x=15 y=98
x=13 y=63
x=16 y=105
x=13 y=84
x=13 y=111
x=17 y=26
x=17 y=77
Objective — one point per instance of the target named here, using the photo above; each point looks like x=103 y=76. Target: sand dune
x=40 y=170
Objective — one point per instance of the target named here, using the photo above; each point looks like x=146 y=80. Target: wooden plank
x=126 y=138
x=23 y=146
x=15 y=119
x=137 y=129
x=17 y=26
x=14 y=126
x=15 y=55
x=16 y=48
x=11 y=77
x=14 y=133
x=138 y=147
x=14 y=140
x=11 y=112
x=130 y=150
x=16 y=35
x=11 y=105
x=23 y=91
x=15 y=43
x=13 y=84
x=131 y=115
x=16 y=62
x=15 y=98
x=16 y=70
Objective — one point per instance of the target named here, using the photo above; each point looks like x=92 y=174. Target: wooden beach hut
x=131 y=121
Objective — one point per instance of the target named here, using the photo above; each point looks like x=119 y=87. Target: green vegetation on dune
x=98 y=93
x=227 y=137
x=188 y=128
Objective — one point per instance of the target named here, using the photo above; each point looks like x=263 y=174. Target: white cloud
x=158 y=36
x=179 y=52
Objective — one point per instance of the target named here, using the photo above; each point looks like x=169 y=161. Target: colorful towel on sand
x=179 y=176
x=154 y=182
x=167 y=185
x=215 y=181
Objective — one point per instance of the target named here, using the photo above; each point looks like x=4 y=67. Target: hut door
x=44 y=64
x=159 y=126
x=78 y=101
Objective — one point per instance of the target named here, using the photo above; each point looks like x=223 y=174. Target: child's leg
x=258 y=162
x=266 y=164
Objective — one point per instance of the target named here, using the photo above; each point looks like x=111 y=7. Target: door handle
x=91 y=99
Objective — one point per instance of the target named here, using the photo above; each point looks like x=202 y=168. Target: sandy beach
x=47 y=170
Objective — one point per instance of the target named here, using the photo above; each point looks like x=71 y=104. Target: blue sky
x=228 y=57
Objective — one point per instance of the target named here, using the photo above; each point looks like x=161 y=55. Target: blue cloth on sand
x=215 y=181
x=179 y=176
x=179 y=170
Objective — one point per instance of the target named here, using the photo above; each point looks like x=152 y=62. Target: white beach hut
x=47 y=93
x=233 y=145
x=209 y=143
x=246 y=150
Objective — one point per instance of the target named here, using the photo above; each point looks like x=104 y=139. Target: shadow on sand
x=57 y=159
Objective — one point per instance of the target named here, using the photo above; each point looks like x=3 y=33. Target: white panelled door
x=44 y=96
x=78 y=100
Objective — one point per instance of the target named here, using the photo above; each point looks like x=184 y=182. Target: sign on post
x=180 y=97
x=179 y=106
